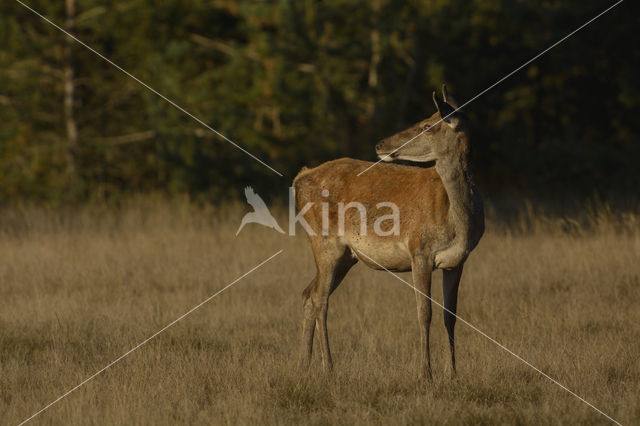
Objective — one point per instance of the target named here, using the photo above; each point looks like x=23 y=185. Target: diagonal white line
x=175 y=105
x=147 y=339
x=496 y=83
x=500 y=345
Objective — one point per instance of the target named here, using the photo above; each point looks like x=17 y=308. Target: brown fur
x=395 y=183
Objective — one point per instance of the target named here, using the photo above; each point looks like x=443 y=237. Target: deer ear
x=447 y=98
x=447 y=112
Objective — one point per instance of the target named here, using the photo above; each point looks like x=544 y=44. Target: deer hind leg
x=308 y=323
x=421 y=270
x=450 y=284
x=332 y=266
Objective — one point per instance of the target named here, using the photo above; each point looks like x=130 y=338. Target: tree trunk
x=69 y=89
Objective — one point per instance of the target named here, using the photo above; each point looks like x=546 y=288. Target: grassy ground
x=78 y=289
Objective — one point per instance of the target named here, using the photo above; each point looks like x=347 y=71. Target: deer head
x=437 y=137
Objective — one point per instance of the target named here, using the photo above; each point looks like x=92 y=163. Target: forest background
x=301 y=82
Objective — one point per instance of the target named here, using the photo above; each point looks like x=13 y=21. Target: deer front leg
x=450 y=284
x=452 y=256
x=421 y=269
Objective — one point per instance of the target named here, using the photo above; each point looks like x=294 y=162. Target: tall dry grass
x=78 y=288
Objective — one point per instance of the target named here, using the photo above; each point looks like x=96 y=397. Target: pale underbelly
x=380 y=254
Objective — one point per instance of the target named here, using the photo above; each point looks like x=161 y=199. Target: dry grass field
x=79 y=288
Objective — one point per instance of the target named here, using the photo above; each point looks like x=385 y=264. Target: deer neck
x=464 y=203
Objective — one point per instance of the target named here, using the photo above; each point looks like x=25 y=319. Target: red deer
x=441 y=220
